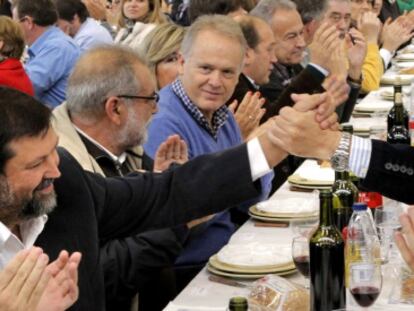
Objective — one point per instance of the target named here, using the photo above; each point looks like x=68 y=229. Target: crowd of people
x=135 y=134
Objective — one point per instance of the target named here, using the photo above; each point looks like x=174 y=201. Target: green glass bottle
x=327 y=262
x=345 y=193
x=238 y=304
x=397 y=120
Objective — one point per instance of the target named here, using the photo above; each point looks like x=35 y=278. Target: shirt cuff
x=386 y=57
x=320 y=69
x=360 y=156
x=257 y=159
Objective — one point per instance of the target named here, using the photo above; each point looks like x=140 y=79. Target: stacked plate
x=312 y=176
x=285 y=209
x=408 y=56
x=252 y=260
x=390 y=79
x=387 y=93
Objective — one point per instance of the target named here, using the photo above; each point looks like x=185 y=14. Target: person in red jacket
x=12 y=73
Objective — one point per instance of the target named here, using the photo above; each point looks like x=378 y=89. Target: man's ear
x=249 y=56
x=114 y=110
x=181 y=62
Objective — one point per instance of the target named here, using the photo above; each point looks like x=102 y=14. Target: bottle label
x=362 y=272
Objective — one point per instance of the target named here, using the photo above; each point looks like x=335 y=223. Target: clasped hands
x=30 y=282
x=310 y=127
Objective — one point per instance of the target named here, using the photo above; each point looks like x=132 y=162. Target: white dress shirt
x=10 y=244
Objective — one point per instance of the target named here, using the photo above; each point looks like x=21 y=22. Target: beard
x=15 y=208
x=133 y=133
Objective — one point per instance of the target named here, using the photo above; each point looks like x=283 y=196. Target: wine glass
x=300 y=255
x=365 y=282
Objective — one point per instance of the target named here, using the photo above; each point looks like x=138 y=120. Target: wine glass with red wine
x=365 y=282
x=300 y=254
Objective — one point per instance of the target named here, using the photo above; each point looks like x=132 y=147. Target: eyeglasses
x=154 y=98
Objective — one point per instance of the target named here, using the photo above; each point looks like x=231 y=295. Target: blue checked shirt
x=219 y=117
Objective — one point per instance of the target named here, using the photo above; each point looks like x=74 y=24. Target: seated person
x=193 y=107
x=160 y=51
x=12 y=73
x=74 y=20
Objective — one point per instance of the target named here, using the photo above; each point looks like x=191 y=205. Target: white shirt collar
x=251 y=81
x=121 y=159
x=10 y=244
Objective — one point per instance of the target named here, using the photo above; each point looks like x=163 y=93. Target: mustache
x=46 y=182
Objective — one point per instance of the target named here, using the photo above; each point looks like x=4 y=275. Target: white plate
x=405 y=57
x=391 y=79
x=373 y=106
x=248 y=276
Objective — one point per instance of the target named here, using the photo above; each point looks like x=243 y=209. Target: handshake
x=309 y=128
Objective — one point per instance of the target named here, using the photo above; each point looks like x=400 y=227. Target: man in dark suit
x=84 y=209
x=385 y=168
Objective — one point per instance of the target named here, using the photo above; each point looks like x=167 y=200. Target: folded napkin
x=288 y=206
x=255 y=254
x=313 y=172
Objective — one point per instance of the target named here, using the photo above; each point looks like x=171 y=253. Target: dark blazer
x=88 y=211
x=278 y=90
x=389 y=10
x=391 y=171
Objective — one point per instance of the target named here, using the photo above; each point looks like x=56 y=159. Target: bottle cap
x=359 y=206
x=238 y=301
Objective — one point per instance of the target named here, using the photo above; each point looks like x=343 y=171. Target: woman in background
x=12 y=45
x=160 y=51
x=137 y=19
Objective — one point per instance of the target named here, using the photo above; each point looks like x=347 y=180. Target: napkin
x=288 y=205
x=314 y=172
x=255 y=254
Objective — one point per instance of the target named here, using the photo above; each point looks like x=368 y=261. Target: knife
x=222 y=280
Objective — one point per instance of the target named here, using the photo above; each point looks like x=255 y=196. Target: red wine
x=327 y=265
x=302 y=263
x=365 y=295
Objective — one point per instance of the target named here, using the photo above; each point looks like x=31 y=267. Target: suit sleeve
x=309 y=80
x=130 y=263
x=391 y=171
x=203 y=186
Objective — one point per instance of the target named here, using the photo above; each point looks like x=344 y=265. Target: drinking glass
x=387 y=222
x=365 y=282
x=300 y=254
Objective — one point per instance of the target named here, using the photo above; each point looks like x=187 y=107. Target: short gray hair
x=220 y=24
x=265 y=9
x=310 y=10
x=101 y=72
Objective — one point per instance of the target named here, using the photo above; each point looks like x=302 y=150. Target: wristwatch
x=340 y=158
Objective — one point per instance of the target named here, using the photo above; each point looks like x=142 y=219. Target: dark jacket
x=391 y=171
x=88 y=212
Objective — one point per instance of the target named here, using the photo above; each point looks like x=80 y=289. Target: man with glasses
x=52 y=54
x=103 y=125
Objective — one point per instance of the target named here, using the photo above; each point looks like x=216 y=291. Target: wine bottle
x=398 y=97
x=327 y=261
x=238 y=304
x=344 y=195
x=397 y=125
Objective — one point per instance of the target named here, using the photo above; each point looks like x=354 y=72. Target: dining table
x=208 y=293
